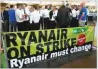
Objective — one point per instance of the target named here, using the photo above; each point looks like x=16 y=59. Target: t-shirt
x=83 y=10
x=12 y=16
x=74 y=13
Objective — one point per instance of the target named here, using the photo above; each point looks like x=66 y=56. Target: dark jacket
x=63 y=15
x=5 y=15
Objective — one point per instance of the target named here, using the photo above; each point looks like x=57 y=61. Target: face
x=83 y=5
x=32 y=9
x=53 y=8
x=20 y=7
x=24 y=5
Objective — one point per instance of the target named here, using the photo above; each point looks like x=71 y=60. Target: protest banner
x=29 y=47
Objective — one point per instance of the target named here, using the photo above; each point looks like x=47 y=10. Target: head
x=24 y=6
x=53 y=8
x=79 y=7
x=35 y=7
x=31 y=9
x=74 y=7
x=82 y=4
x=11 y=6
x=19 y=6
x=46 y=7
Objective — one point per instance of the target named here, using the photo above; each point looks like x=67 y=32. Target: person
x=35 y=18
x=52 y=17
x=30 y=27
x=41 y=15
x=12 y=18
x=19 y=17
x=45 y=15
x=26 y=17
x=63 y=17
x=5 y=18
x=74 y=21
x=83 y=15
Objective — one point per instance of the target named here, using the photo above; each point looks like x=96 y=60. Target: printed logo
x=81 y=39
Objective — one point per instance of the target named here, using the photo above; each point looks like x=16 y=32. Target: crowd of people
x=43 y=17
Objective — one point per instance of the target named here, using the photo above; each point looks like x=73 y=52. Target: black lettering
x=48 y=46
x=11 y=38
x=58 y=34
x=9 y=53
x=73 y=41
x=64 y=33
x=61 y=44
x=32 y=38
x=39 y=48
x=66 y=43
x=42 y=36
x=24 y=51
x=55 y=45
x=22 y=37
x=52 y=36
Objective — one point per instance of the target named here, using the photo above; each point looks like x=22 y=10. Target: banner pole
x=4 y=47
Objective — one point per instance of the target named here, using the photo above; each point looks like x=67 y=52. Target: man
x=12 y=18
x=74 y=21
x=52 y=17
x=26 y=12
x=35 y=18
x=45 y=15
x=19 y=17
x=83 y=15
x=63 y=17
x=41 y=10
x=5 y=18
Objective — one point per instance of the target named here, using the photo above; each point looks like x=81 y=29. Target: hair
x=35 y=7
x=11 y=6
x=18 y=5
x=25 y=4
x=46 y=7
x=67 y=4
x=7 y=7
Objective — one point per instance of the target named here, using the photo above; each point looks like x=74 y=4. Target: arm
x=82 y=15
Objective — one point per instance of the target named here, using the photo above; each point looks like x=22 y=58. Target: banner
x=28 y=47
x=3 y=63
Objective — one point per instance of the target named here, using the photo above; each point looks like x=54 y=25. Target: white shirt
x=45 y=13
x=74 y=13
x=27 y=11
x=41 y=13
x=78 y=12
x=55 y=12
x=54 y=15
x=19 y=15
x=35 y=16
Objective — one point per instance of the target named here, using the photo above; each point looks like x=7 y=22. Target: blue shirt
x=83 y=10
x=12 y=16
